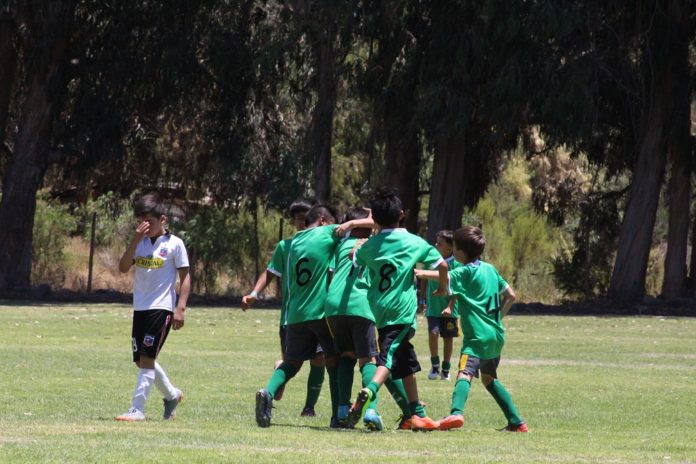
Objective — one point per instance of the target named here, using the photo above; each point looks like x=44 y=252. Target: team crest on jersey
x=149 y=340
x=163 y=252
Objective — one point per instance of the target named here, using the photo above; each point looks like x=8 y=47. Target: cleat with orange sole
x=453 y=421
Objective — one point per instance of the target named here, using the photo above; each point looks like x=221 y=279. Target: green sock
x=314 y=383
x=416 y=409
x=280 y=377
x=368 y=371
x=435 y=361
x=459 y=396
x=504 y=400
x=346 y=371
x=396 y=388
x=446 y=365
x=333 y=389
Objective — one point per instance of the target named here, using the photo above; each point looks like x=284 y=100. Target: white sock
x=163 y=384
x=146 y=377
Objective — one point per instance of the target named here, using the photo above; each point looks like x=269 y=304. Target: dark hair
x=356 y=212
x=470 y=240
x=301 y=205
x=148 y=204
x=319 y=211
x=386 y=206
x=445 y=235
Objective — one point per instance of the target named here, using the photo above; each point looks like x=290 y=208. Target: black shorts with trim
x=472 y=365
x=353 y=333
x=446 y=327
x=149 y=332
x=302 y=340
x=396 y=352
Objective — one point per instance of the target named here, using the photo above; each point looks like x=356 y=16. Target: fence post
x=91 y=253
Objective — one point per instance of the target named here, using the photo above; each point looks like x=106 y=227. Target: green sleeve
x=277 y=264
x=430 y=257
x=502 y=284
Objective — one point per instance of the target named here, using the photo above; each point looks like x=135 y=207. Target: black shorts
x=150 y=330
x=446 y=327
x=472 y=366
x=396 y=352
x=353 y=333
x=283 y=334
x=302 y=340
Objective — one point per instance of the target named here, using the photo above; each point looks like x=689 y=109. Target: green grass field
x=592 y=390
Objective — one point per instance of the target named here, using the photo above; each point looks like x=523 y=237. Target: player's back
x=347 y=294
x=307 y=265
x=477 y=286
x=391 y=257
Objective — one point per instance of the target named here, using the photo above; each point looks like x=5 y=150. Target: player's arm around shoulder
x=443 y=279
x=508 y=297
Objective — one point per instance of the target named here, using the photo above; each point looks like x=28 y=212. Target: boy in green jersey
x=484 y=298
x=315 y=380
x=442 y=322
x=390 y=257
x=352 y=325
x=306 y=267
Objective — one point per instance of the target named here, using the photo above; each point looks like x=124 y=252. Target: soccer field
x=592 y=390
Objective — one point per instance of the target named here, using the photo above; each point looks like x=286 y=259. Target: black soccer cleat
x=264 y=404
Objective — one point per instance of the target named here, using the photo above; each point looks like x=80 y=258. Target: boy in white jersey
x=158 y=257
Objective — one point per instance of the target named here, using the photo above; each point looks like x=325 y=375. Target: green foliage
x=53 y=224
x=114 y=222
x=221 y=244
x=521 y=243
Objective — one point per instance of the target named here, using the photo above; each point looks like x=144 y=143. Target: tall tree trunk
x=402 y=162
x=691 y=286
x=635 y=239
x=447 y=189
x=321 y=129
x=679 y=149
x=44 y=49
x=8 y=68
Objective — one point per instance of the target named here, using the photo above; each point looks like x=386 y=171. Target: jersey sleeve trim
x=274 y=272
x=437 y=263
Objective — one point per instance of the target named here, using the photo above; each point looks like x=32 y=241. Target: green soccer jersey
x=277 y=267
x=436 y=304
x=477 y=286
x=390 y=257
x=348 y=290
x=307 y=268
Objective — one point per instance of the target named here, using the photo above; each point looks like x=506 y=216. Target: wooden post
x=280 y=229
x=91 y=253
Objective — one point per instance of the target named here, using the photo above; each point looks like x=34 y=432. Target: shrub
x=53 y=225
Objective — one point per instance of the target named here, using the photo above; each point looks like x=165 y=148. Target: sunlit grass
x=592 y=389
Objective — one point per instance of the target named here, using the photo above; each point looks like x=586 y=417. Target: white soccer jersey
x=156 y=265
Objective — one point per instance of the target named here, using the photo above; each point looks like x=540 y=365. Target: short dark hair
x=470 y=240
x=446 y=235
x=386 y=206
x=358 y=213
x=319 y=211
x=301 y=205
x=149 y=204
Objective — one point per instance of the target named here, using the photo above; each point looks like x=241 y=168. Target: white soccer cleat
x=132 y=415
x=434 y=373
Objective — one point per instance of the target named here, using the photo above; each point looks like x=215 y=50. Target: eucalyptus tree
x=43 y=41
